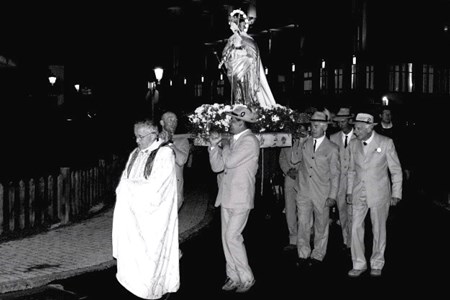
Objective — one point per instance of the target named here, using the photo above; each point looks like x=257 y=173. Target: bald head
x=169 y=122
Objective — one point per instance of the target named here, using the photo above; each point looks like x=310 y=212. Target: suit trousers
x=290 y=208
x=378 y=217
x=233 y=221
x=345 y=219
x=309 y=214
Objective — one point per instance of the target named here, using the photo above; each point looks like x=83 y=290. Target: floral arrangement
x=210 y=117
x=278 y=118
x=235 y=19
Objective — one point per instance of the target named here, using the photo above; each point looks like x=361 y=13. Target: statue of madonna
x=242 y=60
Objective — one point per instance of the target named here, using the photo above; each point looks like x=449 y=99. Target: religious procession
x=279 y=155
x=323 y=167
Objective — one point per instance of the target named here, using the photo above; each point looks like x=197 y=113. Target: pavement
x=85 y=246
x=416 y=257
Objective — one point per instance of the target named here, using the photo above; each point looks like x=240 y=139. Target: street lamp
x=52 y=79
x=158 y=73
x=153 y=88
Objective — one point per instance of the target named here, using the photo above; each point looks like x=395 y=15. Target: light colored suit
x=372 y=187
x=290 y=192
x=318 y=180
x=181 y=156
x=238 y=163
x=345 y=210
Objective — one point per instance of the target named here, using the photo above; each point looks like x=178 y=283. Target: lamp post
x=154 y=87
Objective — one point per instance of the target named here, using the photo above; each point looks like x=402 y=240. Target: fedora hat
x=342 y=114
x=364 y=118
x=320 y=116
x=243 y=113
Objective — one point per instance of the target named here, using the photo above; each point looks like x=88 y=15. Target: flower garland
x=212 y=117
x=235 y=19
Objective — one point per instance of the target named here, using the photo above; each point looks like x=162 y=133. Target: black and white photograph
x=224 y=149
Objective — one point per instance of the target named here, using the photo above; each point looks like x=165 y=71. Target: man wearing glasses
x=145 y=221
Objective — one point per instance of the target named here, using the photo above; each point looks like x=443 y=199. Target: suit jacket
x=290 y=158
x=319 y=172
x=285 y=163
x=370 y=171
x=344 y=159
x=181 y=156
x=239 y=164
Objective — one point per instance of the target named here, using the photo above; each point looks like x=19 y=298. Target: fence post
x=102 y=179
x=51 y=198
x=11 y=198
x=1 y=208
x=41 y=200
x=22 y=208
x=32 y=202
x=65 y=195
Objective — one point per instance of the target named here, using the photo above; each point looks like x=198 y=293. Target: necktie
x=314 y=148
x=345 y=142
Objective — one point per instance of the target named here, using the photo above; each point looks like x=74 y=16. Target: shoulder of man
x=335 y=135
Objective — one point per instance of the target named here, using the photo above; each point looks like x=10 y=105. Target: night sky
x=114 y=48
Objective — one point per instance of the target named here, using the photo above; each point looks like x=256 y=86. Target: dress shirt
x=319 y=141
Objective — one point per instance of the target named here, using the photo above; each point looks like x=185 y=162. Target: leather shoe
x=356 y=272
x=245 y=286
x=290 y=247
x=375 y=272
x=230 y=285
x=315 y=262
x=301 y=263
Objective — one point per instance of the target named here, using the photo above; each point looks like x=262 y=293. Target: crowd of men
x=337 y=162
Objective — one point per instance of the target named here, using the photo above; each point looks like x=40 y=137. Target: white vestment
x=145 y=226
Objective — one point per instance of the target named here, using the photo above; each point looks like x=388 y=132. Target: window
x=369 y=77
x=427 y=79
x=307 y=82
x=220 y=87
x=323 y=80
x=446 y=82
x=198 y=89
x=338 y=77
x=400 y=78
x=353 y=78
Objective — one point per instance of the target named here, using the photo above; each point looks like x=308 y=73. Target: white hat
x=343 y=113
x=320 y=116
x=364 y=118
x=243 y=113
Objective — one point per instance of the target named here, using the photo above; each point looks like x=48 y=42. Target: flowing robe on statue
x=245 y=71
x=145 y=225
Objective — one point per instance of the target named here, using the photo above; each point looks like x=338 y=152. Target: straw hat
x=364 y=118
x=342 y=114
x=320 y=116
x=243 y=113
